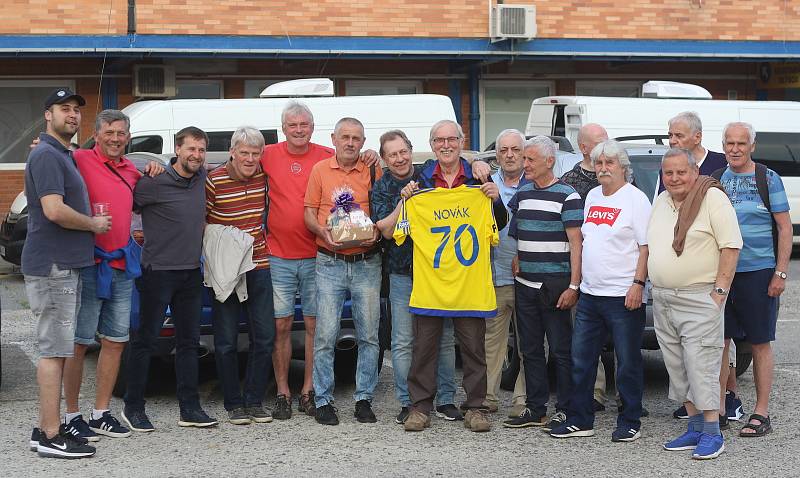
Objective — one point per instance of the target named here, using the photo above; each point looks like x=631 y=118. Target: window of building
x=382 y=87
x=22 y=115
x=506 y=104
x=626 y=89
x=203 y=89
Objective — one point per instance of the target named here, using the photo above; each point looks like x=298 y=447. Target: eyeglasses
x=449 y=139
x=397 y=154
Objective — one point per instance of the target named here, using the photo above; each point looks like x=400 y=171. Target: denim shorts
x=108 y=319
x=290 y=276
x=750 y=313
x=54 y=303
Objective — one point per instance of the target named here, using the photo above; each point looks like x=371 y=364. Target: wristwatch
x=780 y=274
x=574 y=287
x=720 y=291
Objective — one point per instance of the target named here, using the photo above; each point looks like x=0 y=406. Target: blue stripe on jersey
x=485 y=314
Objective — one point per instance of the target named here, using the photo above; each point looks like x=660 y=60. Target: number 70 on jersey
x=458 y=247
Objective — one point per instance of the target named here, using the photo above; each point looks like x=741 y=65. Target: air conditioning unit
x=512 y=21
x=153 y=81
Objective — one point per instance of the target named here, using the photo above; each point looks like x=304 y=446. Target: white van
x=155 y=123
x=777 y=125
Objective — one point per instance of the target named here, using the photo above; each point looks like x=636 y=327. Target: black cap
x=60 y=96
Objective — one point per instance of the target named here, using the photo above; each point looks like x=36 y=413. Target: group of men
x=260 y=221
x=715 y=247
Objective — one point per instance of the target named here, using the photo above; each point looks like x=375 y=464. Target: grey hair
x=612 y=149
x=510 y=132
x=691 y=119
x=543 y=144
x=750 y=130
x=110 y=116
x=441 y=123
x=248 y=136
x=675 y=152
x=350 y=121
x=296 y=108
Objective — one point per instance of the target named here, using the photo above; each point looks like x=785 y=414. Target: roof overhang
x=381 y=47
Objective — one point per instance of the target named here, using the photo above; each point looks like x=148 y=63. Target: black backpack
x=763 y=192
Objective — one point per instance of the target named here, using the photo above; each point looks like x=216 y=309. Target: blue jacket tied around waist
x=132 y=253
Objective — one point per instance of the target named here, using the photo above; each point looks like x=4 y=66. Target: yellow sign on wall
x=779 y=75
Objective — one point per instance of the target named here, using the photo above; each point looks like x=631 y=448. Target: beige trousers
x=496 y=348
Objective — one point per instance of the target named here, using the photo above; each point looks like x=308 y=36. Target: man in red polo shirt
x=106 y=287
x=291 y=246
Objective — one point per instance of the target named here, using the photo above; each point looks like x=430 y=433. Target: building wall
x=759 y=20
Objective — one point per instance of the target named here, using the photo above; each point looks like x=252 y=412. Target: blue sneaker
x=733 y=406
x=687 y=441
x=77 y=427
x=710 y=446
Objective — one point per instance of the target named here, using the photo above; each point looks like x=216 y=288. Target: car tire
x=345 y=363
x=511 y=363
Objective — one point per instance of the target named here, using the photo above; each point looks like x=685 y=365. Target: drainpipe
x=474 y=111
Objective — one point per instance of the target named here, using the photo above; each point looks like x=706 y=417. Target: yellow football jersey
x=452 y=230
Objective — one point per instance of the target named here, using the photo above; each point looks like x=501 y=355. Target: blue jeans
x=597 y=317
x=110 y=318
x=403 y=345
x=335 y=278
x=535 y=320
x=261 y=330
x=182 y=291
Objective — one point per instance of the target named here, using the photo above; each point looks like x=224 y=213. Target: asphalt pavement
x=301 y=447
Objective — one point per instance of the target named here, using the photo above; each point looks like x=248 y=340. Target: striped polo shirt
x=239 y=203
x=540 y=219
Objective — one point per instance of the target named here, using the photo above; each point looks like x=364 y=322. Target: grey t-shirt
x=51 y=170
x=173 y=212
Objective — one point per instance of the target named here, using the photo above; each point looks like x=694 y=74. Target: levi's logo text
x=447 y=213
x=603 y=215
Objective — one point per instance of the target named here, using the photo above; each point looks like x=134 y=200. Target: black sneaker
x=559 y=418
x=137 y=420
x=258 y=414
x=109 y=426
x=326 y=415
x=64 y=445
x=363 y=412
x=449 y=412
x=282 y=410
x=238 y=416
x=36 y=435
x=305 y=404
x=681 y=413
x=623 y=434
x=525 y=419
x=196 y=418
x=597 y=406
x=400 y=418
x=77 y=427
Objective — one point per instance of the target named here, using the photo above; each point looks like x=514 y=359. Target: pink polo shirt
x=106 y=186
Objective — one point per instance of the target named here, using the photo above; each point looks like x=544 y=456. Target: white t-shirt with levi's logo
x=613 y=229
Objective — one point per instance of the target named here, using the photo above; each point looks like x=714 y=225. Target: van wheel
x=743 y=361
x=345 y=362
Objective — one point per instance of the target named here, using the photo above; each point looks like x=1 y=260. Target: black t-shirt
x=582 y=180
x=51 y=170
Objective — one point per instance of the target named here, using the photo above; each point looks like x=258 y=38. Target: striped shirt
x=539 y=224
x=241 y=204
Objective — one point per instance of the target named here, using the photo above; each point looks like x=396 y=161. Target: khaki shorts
x=690 y=327
x=54 y=303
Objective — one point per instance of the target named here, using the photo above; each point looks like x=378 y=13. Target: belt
x=350 y=257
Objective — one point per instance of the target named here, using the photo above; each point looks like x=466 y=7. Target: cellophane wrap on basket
x=349 y=223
